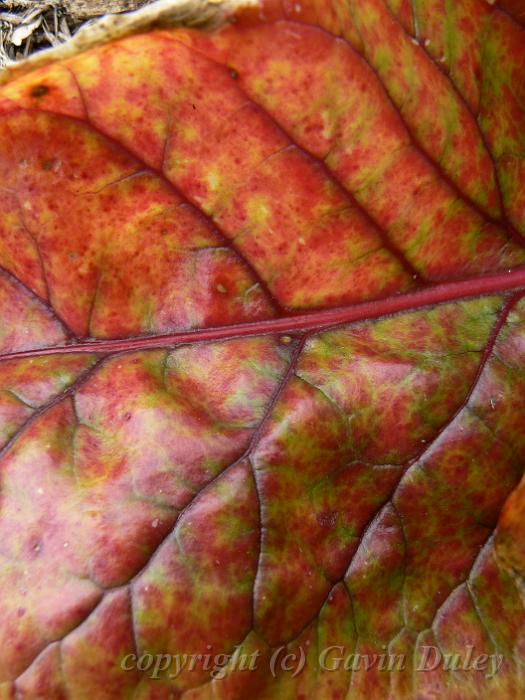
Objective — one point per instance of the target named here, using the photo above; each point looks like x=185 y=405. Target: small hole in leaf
x=39 y=91
x=234 y=74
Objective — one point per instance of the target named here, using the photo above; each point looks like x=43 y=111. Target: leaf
x=262 y=352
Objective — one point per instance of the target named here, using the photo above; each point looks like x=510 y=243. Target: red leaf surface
x=262 y=360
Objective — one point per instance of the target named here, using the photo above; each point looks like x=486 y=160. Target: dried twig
x=86 y=9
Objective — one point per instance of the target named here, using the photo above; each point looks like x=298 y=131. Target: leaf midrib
x=298 y=324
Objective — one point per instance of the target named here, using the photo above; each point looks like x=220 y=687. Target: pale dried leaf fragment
x=24 y=31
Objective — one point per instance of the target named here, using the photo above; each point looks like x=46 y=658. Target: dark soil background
x=27 y=26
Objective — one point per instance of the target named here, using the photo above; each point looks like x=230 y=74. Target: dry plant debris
x=27 y=26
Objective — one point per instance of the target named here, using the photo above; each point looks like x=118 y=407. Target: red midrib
x=301 y=323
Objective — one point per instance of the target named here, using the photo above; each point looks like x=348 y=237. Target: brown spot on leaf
x=327 y=519
x=39 y=91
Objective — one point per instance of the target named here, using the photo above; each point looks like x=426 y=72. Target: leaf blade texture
x=262 y=348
